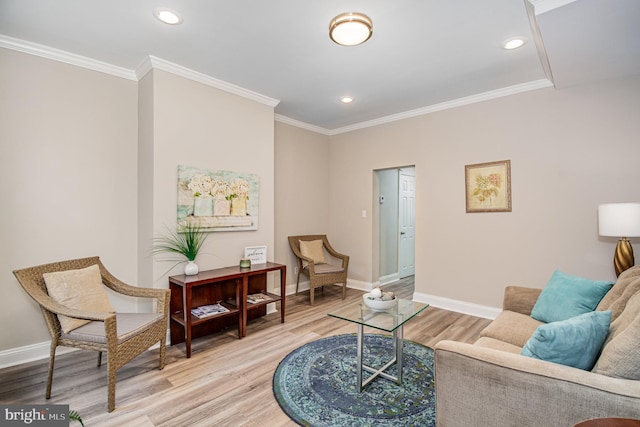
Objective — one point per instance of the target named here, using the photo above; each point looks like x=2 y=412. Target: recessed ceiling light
x=514 y=43
x=346 y=99
x=168 y=16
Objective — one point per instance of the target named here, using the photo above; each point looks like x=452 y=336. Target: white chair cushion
x=327 y=268
x=127 y=326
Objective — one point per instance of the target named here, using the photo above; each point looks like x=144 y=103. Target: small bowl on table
x=378 y=304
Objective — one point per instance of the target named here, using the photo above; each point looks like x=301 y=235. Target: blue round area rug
x=315 y=384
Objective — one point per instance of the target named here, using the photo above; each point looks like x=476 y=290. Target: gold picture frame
x=488 y=186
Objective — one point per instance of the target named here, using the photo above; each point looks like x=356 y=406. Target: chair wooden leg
x=311 y=292
x=52 y=357
x=111 y=384
x=99 y=359
x=163 y=351
x=344 y=290
x=297 y=280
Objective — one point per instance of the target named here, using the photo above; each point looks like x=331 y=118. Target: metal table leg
x=397 y=359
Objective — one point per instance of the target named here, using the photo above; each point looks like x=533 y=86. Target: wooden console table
x=228 y=286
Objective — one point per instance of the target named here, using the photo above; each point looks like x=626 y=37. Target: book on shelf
x=259 y=297
x=208 y=310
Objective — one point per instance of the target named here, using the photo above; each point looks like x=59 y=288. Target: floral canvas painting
x=488 y=186
x=217 y=200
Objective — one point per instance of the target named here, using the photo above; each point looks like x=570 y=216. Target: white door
x=407 y=222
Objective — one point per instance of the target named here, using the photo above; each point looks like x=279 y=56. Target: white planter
x=191 y=269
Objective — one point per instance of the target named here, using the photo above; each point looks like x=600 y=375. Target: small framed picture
x=488 y=187
x=257 y=254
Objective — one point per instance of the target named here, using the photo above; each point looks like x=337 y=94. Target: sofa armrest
x=483 y=386
x=520 y=299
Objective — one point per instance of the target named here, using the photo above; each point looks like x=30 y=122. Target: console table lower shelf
x=229 y=287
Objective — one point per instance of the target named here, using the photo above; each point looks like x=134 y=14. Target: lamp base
x=623 y=258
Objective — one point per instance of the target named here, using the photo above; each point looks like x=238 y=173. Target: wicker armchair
x=320 y=274
x=123 y=335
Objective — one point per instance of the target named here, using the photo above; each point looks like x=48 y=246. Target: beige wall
x=89 y=161
x=570 y=150
x=67 y=177
x=89 y=167
x=198 y=125
x=302 y=189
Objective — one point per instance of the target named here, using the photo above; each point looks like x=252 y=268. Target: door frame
x=381 y=277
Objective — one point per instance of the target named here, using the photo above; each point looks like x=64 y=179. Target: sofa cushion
x=567 y=296
x=574 y=342
x=511 y=327
x=495 y=344
x=80 y=289
x=625 y=287
x=620 y=354
x=312 y=249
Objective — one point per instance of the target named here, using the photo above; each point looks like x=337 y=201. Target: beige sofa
x=489 y=383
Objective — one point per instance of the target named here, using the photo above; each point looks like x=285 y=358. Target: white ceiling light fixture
x=346 y=100
x=350 y=28
x=514 y=43
x=168 y=16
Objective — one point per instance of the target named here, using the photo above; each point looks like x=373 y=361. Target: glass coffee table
x=391 y=320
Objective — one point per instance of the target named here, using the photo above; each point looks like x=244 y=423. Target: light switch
x=364 y=213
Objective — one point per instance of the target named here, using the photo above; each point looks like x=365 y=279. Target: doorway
x=395 y=194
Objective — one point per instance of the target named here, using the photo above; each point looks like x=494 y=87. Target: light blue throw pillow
x=575 y=342
x=567 y=296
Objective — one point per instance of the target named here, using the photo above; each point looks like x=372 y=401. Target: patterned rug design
x=315 y=384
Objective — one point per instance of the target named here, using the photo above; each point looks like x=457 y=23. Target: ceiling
x=424 y=54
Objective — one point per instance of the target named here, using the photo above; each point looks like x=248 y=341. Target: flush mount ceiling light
x=350 y=28
x=346 y=99
x=168 y=16
x=514 y=43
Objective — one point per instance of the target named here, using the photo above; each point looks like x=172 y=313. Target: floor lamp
x=620 y=220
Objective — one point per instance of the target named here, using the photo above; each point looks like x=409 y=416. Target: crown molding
x=473 y=99
x=313 y=128
x=147 y=65
x=152 y=62
x=543 y=6
x=64 y=56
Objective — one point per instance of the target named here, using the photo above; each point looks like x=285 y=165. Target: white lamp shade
x=619 y=219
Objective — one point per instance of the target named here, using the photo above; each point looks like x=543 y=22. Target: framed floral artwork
x=217 y=200
x=488 y=186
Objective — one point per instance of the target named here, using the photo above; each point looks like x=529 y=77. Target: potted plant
x=186 y=241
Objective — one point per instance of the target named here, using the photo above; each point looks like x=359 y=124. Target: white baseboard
x=458 y=306
x=354 y=284
x=390 y=278
x=359 y=285
x=29 y=353
x=39 y=351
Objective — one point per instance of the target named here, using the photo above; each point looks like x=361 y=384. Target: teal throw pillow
x=575 y=342
x=567 y=296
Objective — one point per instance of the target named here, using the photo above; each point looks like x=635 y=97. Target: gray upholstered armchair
x=311 y=260
x=122 y=336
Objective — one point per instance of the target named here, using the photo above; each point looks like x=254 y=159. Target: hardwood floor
x=227 y=382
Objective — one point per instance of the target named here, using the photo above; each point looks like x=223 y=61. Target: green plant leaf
x=185 y=241
x=74 y=416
